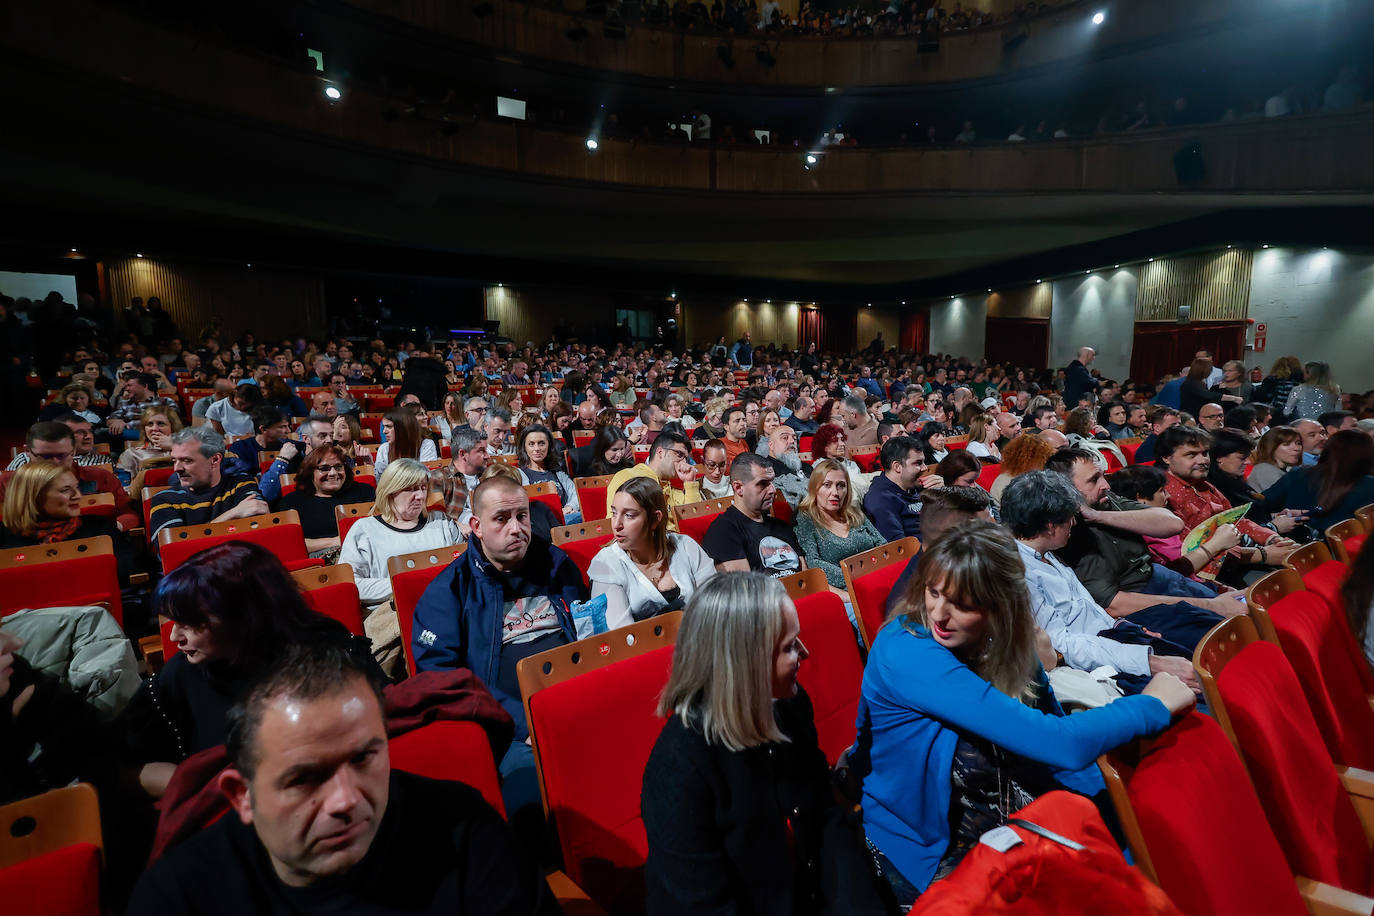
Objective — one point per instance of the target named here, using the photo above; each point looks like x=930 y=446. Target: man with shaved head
x=507 y=597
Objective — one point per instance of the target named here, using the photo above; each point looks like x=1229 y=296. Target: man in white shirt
x=1041 y=509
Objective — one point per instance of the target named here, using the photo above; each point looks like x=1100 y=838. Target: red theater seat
x=454 y=751
x=833 y=673
x=50 y=854
x=333 y=592
x=76 y=572
x=694 y=518
x=582 y=542
x=591 y=494
x=870 y=577
x=279 y=532
x=411 y=574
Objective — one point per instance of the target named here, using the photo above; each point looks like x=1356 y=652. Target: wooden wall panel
x=1032 y=301
x=271 y=304
x=1216 y=285
x=704 y=320
x=873 y=320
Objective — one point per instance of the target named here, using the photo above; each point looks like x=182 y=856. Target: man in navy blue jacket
x=506 y=598
x=893 y=501
x=1078 y=381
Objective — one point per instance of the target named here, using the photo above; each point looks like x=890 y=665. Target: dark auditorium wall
x=270 y=303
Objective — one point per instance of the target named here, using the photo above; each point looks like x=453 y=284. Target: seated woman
x=646 y=570
x=450 y=415
x=1278 y=452
x=1329 y=492
x=830 y=525
x=398 y=524
x=932 y=439
x=233 y=608
x=982 y=438
x=1112 y=418
x=403 y=438
x=832 y=442
x=1023 y=454
x=769 y=420
x=534 y=448
x=74 y=398
x=736 y=790
x=676 y=408
x=958 y=727
x=348 y=435
x=324 y=482
x=959 y=469
x=43 y=506
x=1083 y=433
x=611 y=452
x=622 y=393
x=155 y=428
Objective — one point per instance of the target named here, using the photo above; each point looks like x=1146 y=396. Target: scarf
x=51 y=531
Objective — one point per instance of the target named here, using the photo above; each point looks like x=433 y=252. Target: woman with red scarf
x=43 y=505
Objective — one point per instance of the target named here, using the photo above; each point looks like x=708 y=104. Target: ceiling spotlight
x=903 y=302
x=673 y=294
x=249 y=265
x=1266 y=246
x=1099 y=17
x=1039 y=281
x=1116 y=266
x=332 y=93
x=73 y=251
x=139 y=255
x=1152 y=260
x=592 y=144
x=498 y=286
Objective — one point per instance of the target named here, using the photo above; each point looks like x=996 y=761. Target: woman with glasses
x=324 y=482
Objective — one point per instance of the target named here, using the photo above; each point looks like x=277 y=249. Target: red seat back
x=1326 y=580
x=591 y=781
x=870 y=593
x=1128 y=449
x=552 y=501
x=410 y=575
x=349 y=515
x=694 y=526
x=77 y=572
x=1333 y=672
x=1294 y=777
x=64 y=882
x=834 y=671
x=988 y=474
x=158 y=476
x=1187 y=800
x=332 y=591
x=279 y=532
x=1354 y=544
x=453 y=751
x=593 y=501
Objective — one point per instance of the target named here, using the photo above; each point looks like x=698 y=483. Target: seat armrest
x=1325 y=900
x=1360 y=786
x=571 y=898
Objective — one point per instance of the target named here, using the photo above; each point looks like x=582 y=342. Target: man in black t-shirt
x=324 y=825
x=746 y=536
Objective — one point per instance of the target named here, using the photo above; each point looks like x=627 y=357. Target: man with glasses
x=1209 y=417
x=475 y=411
x=670 y=456
x=715 y=481
x=84 y=434
x=57 y=443
x=343 y=398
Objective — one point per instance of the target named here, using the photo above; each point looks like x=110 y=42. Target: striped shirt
x=184 y=506
x=85 y=461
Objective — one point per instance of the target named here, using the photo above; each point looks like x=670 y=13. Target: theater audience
x=42 y=505
x=325 y=482
x=736 y=790
x=538 y=459
x=230 y=416
x=982 y=438
x=270 y=429
x=746 y=536
x=958 y=726
x=1329 y=493
x=202 y=492
x=234 y=610
x=402 y=437
x=830 y=524
x=83 y=440
x=1144 y=483
x=932 y=442
x=56 y=442
x=1159 y=418
x=647 y=569
x=320 y=820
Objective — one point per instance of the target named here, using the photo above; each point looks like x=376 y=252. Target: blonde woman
x=43 y=506
x=646 y=570
x=830 y=524
x=736 y=778
x=676 y=407
x=958 y=726
x=155 y=428
x=712 y=424
x=982 y=438
x=1317 y=394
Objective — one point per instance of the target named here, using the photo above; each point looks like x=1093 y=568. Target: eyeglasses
x=716 y=464
x=330 y=469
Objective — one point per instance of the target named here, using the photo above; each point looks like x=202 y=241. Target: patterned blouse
x=825 y=550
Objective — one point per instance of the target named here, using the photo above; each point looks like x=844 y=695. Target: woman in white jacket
x=645 y=570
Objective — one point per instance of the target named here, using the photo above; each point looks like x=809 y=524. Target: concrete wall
x=1095 y=310
x=1317 y=304
x=959 y=327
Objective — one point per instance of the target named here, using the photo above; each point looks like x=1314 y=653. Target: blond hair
x=722 y=678
x=22 y=496
x=853 y=516
x=157 y=410
x=977 y=564
x=399 y=476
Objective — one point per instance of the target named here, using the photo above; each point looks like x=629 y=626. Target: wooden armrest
x=574 y=899
x=138 y=578
x=1325 y=900
x=1360 y=785
x=141 y=534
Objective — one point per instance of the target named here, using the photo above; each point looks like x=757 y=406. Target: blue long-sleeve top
x=917 y=697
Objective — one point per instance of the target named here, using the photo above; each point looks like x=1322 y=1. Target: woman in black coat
x=1194 y=391
x=736 y=795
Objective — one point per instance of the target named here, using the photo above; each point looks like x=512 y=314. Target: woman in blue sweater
x=958 y=728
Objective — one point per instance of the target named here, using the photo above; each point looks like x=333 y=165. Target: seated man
x=202 y=493
x=790 y=475
x=498 y=432
x=736 y=432
x=746 y=536
x=858 y=425
x=893 y=500
x=1314 y=436
x=1158 y=418
x=506 y=598
x=222 y=388
x=321 y=822
x=1107 y=551
x=670 y=456
x=136 y=392
x=83 y=437
x=323 y=406
x=270 y=428
x=803 y=417
x=1184 y=454
x=53 y=441
x=1041 y=508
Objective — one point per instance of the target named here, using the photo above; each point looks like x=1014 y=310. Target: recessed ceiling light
x=333 y=93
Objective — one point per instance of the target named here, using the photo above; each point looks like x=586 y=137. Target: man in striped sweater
x=203 y=494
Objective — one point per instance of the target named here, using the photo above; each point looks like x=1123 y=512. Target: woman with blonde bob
x=646 y=570
x=43 y=506
x=958 y=726
x=737 y=763
x=156 y=426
